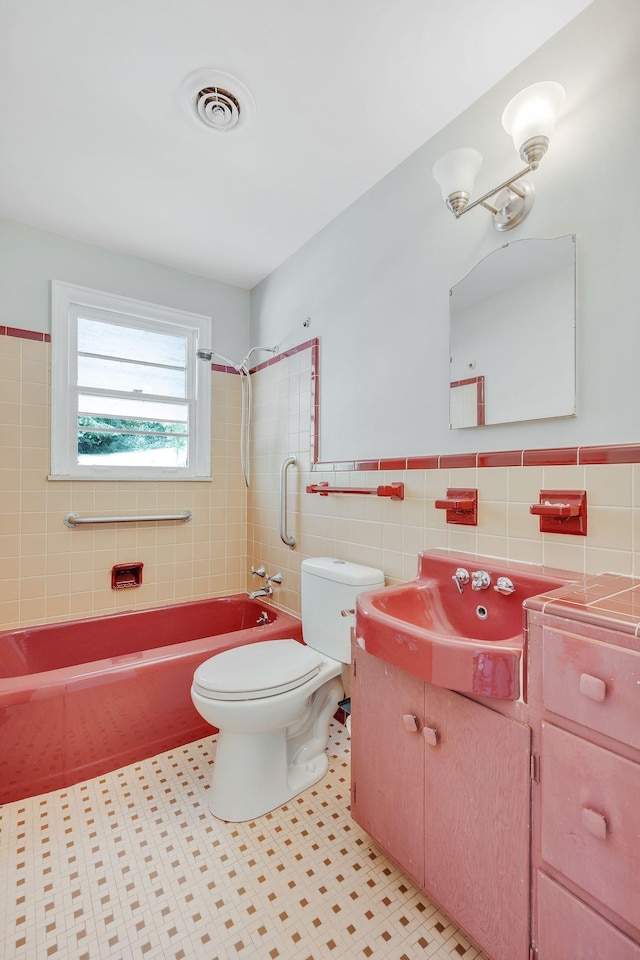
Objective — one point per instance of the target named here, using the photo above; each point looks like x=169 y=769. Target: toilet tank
x=329 y=586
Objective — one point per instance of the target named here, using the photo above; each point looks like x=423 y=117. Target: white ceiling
x=97 y=143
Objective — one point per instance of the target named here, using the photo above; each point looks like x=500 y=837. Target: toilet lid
x=257 y=670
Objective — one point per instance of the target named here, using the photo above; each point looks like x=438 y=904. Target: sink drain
x=481 y=612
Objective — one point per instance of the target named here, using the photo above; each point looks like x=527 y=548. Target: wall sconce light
x=530 y=119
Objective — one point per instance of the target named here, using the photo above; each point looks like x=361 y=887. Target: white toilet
x=272 y=701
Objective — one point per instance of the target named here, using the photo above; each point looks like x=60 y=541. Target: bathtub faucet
x=262 y=592
x=267 y=590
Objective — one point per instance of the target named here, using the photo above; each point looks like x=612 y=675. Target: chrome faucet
x=262 y=592
x=480 y=580
x=505 y=586
x=460 y=578
x=267 y=590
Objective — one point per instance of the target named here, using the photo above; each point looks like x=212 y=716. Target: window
x=130 y=400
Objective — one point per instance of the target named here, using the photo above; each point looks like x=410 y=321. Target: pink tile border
x=500 y=458
x=423 y=463
x=543 y=457
x=221 y=368
x=550 y=456
x=291 y=352
x=314 y=346
x=619 y=453
x=458 y=461
x=25 y=334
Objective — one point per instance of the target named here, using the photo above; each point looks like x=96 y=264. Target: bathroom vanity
x=442 y=784
x=519 y=818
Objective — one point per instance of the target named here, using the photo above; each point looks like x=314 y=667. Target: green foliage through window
x=110 y=435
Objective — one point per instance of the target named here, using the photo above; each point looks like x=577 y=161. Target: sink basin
x=471 y=642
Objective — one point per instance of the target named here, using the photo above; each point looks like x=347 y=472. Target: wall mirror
x=512 y=335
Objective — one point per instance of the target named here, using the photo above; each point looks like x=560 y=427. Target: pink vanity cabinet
x=442 y=784
x=584 y=711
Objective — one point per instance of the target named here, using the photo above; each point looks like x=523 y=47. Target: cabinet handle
x=595 y=823
x=410 y=723
x=592 y=687
x=431 y=736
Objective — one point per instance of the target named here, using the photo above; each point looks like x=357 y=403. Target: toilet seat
x=257 y=670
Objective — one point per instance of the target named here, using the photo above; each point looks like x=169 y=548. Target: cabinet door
x=477 y=792
x=387 y=764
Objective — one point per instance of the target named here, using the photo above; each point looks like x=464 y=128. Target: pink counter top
x=607 y=600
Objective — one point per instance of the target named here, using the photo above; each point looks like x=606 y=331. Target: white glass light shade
x=533 y=112
x=456 y=171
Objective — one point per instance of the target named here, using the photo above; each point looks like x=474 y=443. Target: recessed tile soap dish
x=126 y=575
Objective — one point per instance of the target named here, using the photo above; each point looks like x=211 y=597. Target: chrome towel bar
x=74 y=519
x=393 y=490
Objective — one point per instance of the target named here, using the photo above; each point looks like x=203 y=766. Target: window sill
x=100 y=478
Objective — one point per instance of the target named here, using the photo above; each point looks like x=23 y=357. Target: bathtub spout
x=262 y=592
x=267 y=590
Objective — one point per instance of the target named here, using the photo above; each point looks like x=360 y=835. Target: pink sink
x=472 y=641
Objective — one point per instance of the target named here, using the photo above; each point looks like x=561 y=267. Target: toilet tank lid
x=342 y=571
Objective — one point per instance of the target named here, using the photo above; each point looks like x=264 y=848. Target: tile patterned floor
x=132 y=866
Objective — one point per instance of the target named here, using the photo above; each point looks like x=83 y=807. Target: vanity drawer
x=591 y=819
x=593 y=683
x=568 y=928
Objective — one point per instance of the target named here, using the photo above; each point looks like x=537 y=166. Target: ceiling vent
x=218 y=100
x=218 y=108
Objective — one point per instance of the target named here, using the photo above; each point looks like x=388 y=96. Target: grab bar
x=74 y=519
x=284 y=536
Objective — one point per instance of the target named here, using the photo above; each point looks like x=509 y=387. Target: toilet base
x=254 y=773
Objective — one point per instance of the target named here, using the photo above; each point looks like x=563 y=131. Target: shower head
x=205 y=353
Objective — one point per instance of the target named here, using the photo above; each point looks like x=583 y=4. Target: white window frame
x=66 y=299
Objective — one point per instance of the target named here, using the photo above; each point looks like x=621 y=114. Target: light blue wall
x=31 y=258
x=376 y=280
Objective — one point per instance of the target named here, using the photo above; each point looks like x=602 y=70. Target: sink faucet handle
x=505 y=586
x=480 y=580
x=460 y=577
x=260 y=572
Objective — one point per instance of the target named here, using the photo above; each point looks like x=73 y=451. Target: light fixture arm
x=508 y=184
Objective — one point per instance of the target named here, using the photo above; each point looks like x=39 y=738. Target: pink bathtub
x=83 y=697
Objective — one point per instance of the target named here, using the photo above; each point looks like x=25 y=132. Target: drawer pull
x=431 y=736
x=410 y=723
x=592 y=687
x=595 y=823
